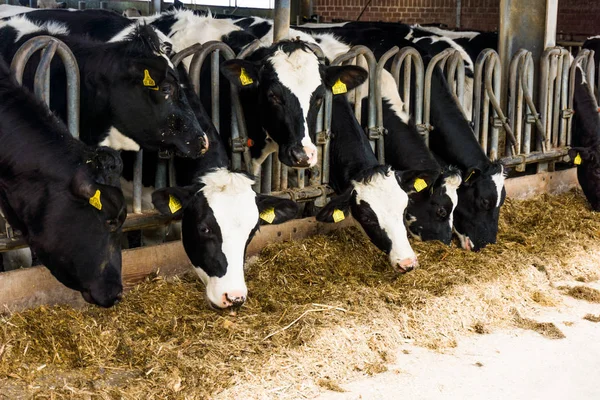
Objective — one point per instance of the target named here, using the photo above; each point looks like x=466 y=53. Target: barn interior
x=324 y=305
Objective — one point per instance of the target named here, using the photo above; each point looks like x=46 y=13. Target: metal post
x=281 y=20
x=81 y=5
x=104 y=5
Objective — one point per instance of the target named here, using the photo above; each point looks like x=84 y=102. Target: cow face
x=220 y=215
x=480 y=197
x=150 y=110
x=79 y=238
x=429 y=215
x=289 y=83
x=377 y=202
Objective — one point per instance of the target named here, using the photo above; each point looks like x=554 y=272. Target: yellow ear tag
x=577 y=160
x=245 y=79
x=339 y=87
x=174 y=204
x=95 y=200
x=148 y=81
x=338 y=215
x=420 y=184
x=268 y=215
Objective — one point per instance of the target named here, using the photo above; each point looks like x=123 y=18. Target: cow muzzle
x=232 y=299
x=303 y=157
x=406 y=265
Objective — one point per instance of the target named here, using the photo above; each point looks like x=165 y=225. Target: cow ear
x=273 y=210
x=413 y=181
x=337 y=209
x=344 y=78
x=82 y=184
x=173 y=200
x=580 y=154
x=242 y=73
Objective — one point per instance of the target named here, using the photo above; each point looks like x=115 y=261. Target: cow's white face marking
x=388 y=201
x=24 y=26
x=299 y=72
x=233 y=202
x=451 y=185
x=116 y=140
x=498 y=180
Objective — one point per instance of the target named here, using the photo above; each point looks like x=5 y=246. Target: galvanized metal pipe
x=33 y=45
x=409 y=56
x=137 y=182
x=281 y=20
x=41 y=82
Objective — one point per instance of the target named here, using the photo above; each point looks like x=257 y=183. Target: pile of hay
x=319 y=310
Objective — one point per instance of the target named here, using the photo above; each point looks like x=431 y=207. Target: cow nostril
x=235 y=300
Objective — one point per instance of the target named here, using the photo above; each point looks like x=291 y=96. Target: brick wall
x=574 y=16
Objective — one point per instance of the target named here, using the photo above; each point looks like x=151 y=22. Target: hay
x=583 y=293
x=592 y=317
x=546 y=329
x=322 y=308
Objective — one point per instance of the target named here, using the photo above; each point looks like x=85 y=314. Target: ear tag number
x=268 y=215
x=95 y=200
x=577 y=160
x=339 y=87
x=338 y=215
x=420 y=184
x=148 y=81
x=174 y=204
x=245 y=79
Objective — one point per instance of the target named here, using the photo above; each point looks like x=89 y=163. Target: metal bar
x=41 y=82
x=137 y=182
x=409 y=56
x=33 y=45
x=81 y=5
x=214 y=89
x=281 y=20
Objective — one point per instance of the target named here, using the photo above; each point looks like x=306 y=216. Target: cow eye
x=485 y=204
x=441 y=212
x=205 y=229
x=166 y=88
x=113 y=224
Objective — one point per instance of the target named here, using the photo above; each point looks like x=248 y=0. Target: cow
x=220 y=215
x=130 y=94
x=373 y=194
x=48 y=192
x=585 y=152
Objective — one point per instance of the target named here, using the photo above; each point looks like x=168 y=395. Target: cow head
x=220 y=215
x=79 y=237
x=429 y=215
x=377 y=201
x=288 y=83
x=480 y=197
x=148 y=107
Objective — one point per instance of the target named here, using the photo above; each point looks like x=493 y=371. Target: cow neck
x=452 y=137
x=586 y=132
x=350 y=151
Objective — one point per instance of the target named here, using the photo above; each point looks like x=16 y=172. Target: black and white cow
x=585 y=152
x=220 y=214
x=373 y=194
x=130 y=94
x=48 y=192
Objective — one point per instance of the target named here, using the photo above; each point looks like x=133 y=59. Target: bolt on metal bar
x=37 y=43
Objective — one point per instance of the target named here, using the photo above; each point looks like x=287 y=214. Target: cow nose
x=406 y=265
x=235 y=298
x=311 y=153
x=204 y=144
x=299 y=157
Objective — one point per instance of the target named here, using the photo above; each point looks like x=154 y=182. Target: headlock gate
x=527 y=129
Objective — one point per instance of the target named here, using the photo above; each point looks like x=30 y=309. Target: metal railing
x=550 y=128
